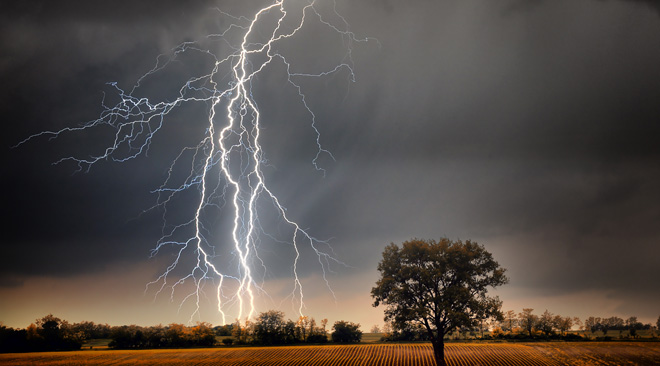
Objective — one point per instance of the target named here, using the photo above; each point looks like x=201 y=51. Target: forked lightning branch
x=225 y=167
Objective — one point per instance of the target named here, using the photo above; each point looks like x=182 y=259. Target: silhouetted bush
x=346 y=332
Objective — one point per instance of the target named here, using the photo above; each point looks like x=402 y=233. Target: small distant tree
x=375 y=329
x=577 y=323
x=593 y=324
x=612 y=323
x=176 y=335
x=311 y=327
x=48 y=328
x=564 y=324
x=302 y=328
x=202 y=334
x=346 y=332
x=316 y=334
x=546 y=323
x=633 y=326
x=56 y=334
x=290 y=332
x=528 y=321
x=558 y=323
x=269 y=328
x=242 y=333
x=509 y=321
x=324 y=324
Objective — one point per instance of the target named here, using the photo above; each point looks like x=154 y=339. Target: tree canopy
x=439 y=285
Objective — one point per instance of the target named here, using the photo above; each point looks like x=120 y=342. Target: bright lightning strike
x=223 y=169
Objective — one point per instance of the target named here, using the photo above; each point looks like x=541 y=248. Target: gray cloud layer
x=530 y=126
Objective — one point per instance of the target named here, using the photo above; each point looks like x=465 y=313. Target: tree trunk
x=439 y=352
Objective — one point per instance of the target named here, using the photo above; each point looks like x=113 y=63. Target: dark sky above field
x=531 y=127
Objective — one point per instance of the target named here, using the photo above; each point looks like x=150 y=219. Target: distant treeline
x=269 y=328
x=159 y=336
x=527 y=325
x=53 y=334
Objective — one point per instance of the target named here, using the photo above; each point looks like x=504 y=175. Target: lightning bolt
x=224 y=169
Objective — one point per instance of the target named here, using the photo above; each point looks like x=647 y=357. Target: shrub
x=346 y=332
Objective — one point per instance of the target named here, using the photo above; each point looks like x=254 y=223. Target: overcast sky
x=528 y=126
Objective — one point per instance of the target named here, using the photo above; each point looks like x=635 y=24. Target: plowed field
x=457 y=354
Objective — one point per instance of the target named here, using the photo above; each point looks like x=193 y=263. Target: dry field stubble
x=458 y=354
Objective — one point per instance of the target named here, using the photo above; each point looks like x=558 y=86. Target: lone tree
x=438 y=285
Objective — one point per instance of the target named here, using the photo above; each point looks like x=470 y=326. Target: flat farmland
x=457 y=354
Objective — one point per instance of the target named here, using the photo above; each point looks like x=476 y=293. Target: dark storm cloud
x=650 y=3
x=516 y=86
x=116 y=11
x=55 y=61
x=524 y=5
x=529 y=125
x=539 y=129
